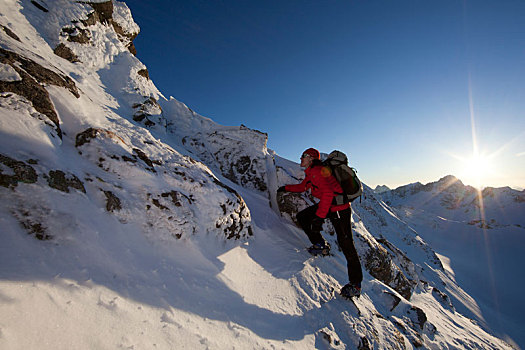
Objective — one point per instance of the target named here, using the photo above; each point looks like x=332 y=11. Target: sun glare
x=476 y=171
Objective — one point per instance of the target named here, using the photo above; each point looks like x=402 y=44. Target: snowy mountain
x=482 y=234
x=130 y=221
x=381 y=188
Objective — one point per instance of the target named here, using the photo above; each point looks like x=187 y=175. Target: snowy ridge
x=130 y=221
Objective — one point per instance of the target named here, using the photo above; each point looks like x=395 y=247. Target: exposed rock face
x=144 y=111
x=228 y=151
x=291 y=203
x=76 y=34
x=18 y=172
x=143 y=73
x=61 y=181
x=31 y=86
x=31 y=224
x=175 y=212
x=66 y=53
x=112 y=201
x=10 y=32
x=103 y=13
x=380 y=265
x=39 y=6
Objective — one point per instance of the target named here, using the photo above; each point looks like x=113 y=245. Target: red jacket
x=323 y=186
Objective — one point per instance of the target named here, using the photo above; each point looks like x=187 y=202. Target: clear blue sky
x=397 y=85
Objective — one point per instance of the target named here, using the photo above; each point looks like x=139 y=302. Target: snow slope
x=487 y=229
x=129 y=221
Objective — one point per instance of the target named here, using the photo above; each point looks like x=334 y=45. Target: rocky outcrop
x=145 y=110
x=176 y=211
x=10 y=33
x=34 y=77
x=379 y=264
x=76 y=34
x=79 y=31
x=61 y=181
x=19 y=172
x=236 y=152
x=103 y=13
x=112 y=201
x=66 y=53
x=143 y=73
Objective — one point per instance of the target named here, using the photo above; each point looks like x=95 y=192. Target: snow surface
x=7 y=73
x=158 y=272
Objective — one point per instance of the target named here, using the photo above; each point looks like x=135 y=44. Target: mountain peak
x=449 y=179
x=381 y=189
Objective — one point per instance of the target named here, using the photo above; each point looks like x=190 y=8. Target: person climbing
x=325 y=187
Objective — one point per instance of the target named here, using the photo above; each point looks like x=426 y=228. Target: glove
x=281 y=189
x=317 y=224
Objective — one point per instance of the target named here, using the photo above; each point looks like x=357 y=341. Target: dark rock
x=103 y=13
x=37 y=229
x=142 y=156
x=22 y=172
x=57 y=179
x=291 y=203
x=40 y=74
x=143 y=73
x=126 y=38
x=66 y=53
x=145 y=109
x=139 y=116
x=158 y=205
x=86 y=136
x=379 y=264
x=33 y=225
x=174 y=195
x=443 y=299
x=77 y=35
x=112 y=202
x=39 y=6
x=364 y=344
x=34 y=77
x=10 y=33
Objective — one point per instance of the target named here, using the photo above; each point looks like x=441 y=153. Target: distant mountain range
x=480 y=234
x=450 y=198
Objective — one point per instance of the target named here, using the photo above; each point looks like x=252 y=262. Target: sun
x=476 y=170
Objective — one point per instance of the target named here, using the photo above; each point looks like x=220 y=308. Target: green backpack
x=345 y=175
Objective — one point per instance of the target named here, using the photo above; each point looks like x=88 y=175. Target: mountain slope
x=128 y=220
x=481 y=234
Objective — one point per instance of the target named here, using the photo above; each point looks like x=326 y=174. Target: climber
x=324 y=186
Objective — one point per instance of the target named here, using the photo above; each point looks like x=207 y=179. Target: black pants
x=343 y=229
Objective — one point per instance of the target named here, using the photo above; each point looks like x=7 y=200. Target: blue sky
x=405 y=88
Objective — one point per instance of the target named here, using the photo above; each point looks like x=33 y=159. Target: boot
x=320 y=249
